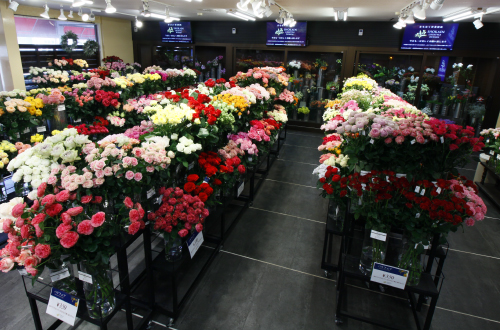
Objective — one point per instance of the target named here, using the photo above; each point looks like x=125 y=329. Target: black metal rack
x=491 y=190
x=40 y=291
x=429 y=286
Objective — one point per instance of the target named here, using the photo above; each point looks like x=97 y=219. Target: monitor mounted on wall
x=429 y=36
x=281 y=35
x=176 y=32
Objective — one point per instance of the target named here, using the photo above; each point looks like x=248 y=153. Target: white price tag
x=426 y=247
x=194 y=242
x=189 y=125
x=248 y=125
x=442 y=139
x=63 y=306
x=417 y=189
x=240 y=189
x=498 y=156
x=27 y=130
x=61 y=107
x=388 y=275
x=150 y=193
x=191 y=165
x=337 y=211
x=372 y=141
x=120 y=92
x=168 y=88
x=438 y=190
x=417 y=215
x=250 y=159
x=413 y=141
x=422 y=192
x=59 y=275
x=159 y=200
x=147 y=223
x=85 y=277
x=488 y=141
x=492 y=152
x=79 y=120
x=41 y=129
x=18 y=135
x=378 y=235
x=22 y=271
x=363 y=133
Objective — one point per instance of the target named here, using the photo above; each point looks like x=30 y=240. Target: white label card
x=159 y=200
x=417 y=215
x=426 y=247
x=191 y=165
x=194 y=242
x=492 y=152
x=372 y=141
x=168 y=88
x=248 y=125
x=150 y=193
x=61 y=107
x=79 y=120
x=422 y=192
x=438 y=190
x=27 y=130
x=417 y=189
x=378 y=235
x=59 y=275
x=22 y=271
x=63 y=306
x=413 y=141
x=18 y=135
x=85 y=277
x=240 y=189
x=41 y=129
x=250 y=159
x=388 y=275
x=189 y=125
x=442 y=139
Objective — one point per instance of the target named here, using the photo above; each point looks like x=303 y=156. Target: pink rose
x=52 y=180
x=69 y=239
x=85 y=227
x=63 y=196
x=138 y=176
x=183 y=232
x=99 y=173
x=134 y=228
x=62 y=229
x=42 y=251
x=66 y=218
x=108 y=171
x=99 y=165
x=18 y=210
x=74 y=211
x=98 y=219
x=129 y=175
x=6 y=264
x=99 y=181
x=199 y=227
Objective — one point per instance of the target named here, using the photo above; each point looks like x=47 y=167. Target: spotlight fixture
x=239 y=15
x=109 y=7
x=268 y=12
x=410 y=19
x=62 y=17
x=419 y=12
x=437 y=4
x=45 y=14
x=138 y=23
x=80 y=12
x=400 y=24
x=340 y=14
x=478 y=23
x=92 y=16
x=243 y=5
x=13 y=5
x=85 y=17
x=281 y=17
x=335 y=15
x=168 y=19
x=70 y=14
x=345 y=15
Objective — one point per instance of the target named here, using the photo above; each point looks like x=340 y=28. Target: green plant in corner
x=65 y=38
x=304 y=110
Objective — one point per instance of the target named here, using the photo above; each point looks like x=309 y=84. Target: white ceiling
x=302 y=10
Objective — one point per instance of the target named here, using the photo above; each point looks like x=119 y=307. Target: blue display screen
x=429 y=36
x=176 y=32
x=280 y=35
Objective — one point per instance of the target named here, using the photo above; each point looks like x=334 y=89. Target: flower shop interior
x=249 y=164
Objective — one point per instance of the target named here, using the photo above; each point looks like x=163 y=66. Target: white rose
x=174 y=136
x=33 y=195
x=171 y=154
x=27 y=178
x=57 y=150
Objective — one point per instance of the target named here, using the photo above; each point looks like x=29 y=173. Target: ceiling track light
x=62 y=17
x=85 y=17
x=168 y=19
x=45 y=14
x=13 y=5
x=137 y=22
x=437 y=4
x=109 y=7
x=409 y=19
x=419 y=11
x=145 y=6
x=478 y=23
x=92 y=16
x=340 y=14
x=70 y=14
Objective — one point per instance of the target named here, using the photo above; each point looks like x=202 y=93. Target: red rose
x=192 y=178
x=183 y=232
x=209 y=83
x=217 y=182
x=53 y=210
x=69 y=239
x=343 y=193
x=241 y=169
x=41 y=189
x=203 y=197
x=48 y=200
x=86 y=199
x=134 y=215
x=85 y=227
x=322 y=180
x=97 y=200
x=40 y=217
x=74 y=211
x=453 y=147
x=128 y=202
x=98 y=219
x=189 y=187
x=336 y=178
x=63 y=196
x=42 y=251
x=134 y=228
x=106 y=102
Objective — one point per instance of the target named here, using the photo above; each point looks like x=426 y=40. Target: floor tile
x=305 y=155
x=283 y=170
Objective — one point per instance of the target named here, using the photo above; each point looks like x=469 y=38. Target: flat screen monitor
x=176 y=32
x=280 y=35
x=429 y=36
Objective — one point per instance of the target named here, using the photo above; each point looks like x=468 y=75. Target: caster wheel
x=170 y=322
x=328 y=274
x=338 y=321
x=150 y=325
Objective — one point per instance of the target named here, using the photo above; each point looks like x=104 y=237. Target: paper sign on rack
x=150 y=193
x=194 y=242
x=240 y=189
x=61 y=107
x=388 y=275
x=63 y=306
x=85 y=277
x=41 y=129
x=378 y=235
x=59 y=275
